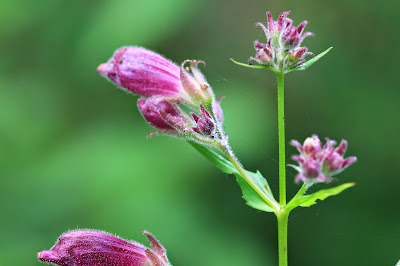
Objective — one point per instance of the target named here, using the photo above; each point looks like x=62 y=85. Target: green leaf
x=254 y=66
x=308 y=200
x=250 y=196
x=308 y=63
x=220 y=161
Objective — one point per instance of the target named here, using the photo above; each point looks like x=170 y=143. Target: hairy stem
x=281 y=131
x=273 y=204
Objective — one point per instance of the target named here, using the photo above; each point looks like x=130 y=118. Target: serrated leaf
x=308 y=63
x=250 y=196
x=254 y=66
x=308 y=200
x=217 y=159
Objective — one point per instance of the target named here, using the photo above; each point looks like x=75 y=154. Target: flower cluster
x=164 y=86
x=89 y=247
x=282 y=50
x=317 y=163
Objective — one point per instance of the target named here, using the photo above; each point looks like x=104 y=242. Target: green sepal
x=308 y=63
x=309 y=200
x=255 y=66
x=250 y=196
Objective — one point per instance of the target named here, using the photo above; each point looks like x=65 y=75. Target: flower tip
x=47 y=256
x=103 y=69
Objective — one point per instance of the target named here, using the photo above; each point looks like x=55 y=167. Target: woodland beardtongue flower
x=89 y=247
x=317 y=163
x=282 y=49
x=147 y=73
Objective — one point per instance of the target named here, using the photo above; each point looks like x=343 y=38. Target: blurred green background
x=73 y=152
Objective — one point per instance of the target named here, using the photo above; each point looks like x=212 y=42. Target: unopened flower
x=147 y=73
x=143 y=72
x=205 y=123
x=317 y=163
x=165 y=86
x=291 y=37
x=282 y=50
x=162 y=114
x=96 y=248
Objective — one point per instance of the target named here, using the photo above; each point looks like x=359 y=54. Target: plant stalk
x=281 y=133
x=283 y=215
x=282 y=218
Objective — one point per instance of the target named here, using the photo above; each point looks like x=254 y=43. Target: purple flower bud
x=205 y=123
x=162 y=114
x=333 y=161
x=291 y=37
x=264 y=53
x=143 y=72
x=89 y=247
x=319 y=164
x=281 y=51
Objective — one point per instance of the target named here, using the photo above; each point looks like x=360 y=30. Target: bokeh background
x=73 y=152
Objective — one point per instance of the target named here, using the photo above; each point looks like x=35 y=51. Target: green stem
x=291 y=205
x=242 y=172
x=281 y=131
x=282 y=218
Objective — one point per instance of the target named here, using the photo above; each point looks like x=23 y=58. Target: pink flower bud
x=319 y=164
x=143 y=72
x=333 y=161
x=291 y=37
x=281 y=51
x=162 y=114
x=89 y=247
x=205 y=123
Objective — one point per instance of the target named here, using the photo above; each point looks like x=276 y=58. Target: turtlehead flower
x=282 y=50
x=162 y=114
x=96 y=248
x=317 y=163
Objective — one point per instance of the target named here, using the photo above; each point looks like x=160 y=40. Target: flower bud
x=205 y=123
x=319 y=164
x=334 y=162
x=291 y=37
x=162 y=114
x=89 y=247
x=281 y=51
x=143 y=72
